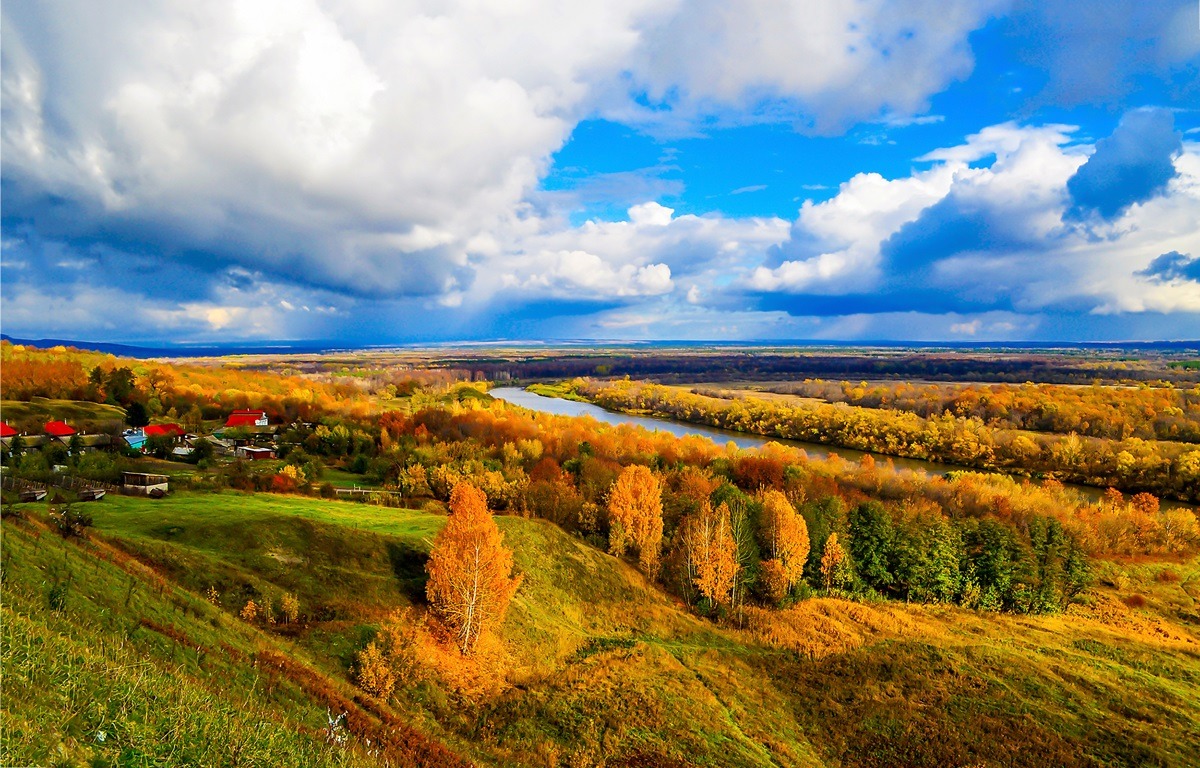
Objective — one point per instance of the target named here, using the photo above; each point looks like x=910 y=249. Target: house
x=7 y=433
x=173 y=431
x=224 y=447
x=144 y=484
x=248 y=419
x=135 y=438
x=59 y=430
x=254 y=454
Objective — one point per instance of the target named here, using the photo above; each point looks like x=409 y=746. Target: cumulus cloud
x=1132 y=165
x=576 y=272
x=642 y=256
x=240 y=168
x=1173 y=266
x=823 y=66
x=387 y=152
x=964 y=237
x=834 y=245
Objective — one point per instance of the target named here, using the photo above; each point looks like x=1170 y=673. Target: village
x=247 y=434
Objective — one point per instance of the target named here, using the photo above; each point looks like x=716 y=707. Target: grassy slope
x=127 y=669
x=606 y=666
x=41 y=409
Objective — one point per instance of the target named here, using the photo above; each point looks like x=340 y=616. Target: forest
x=1162 y=467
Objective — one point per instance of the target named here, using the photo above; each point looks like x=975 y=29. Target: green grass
x=344 y=479
x=561 y=390
x=39 y=410
x=606 y=669
x=121 y=670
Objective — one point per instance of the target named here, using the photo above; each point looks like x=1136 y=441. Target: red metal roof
x=244 y=418
x=58 y=429
x=6 y=430
x=163 y=430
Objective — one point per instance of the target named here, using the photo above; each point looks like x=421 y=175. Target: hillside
x=114 y=656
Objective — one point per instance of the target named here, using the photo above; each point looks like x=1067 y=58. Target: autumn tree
x=784 y=537
x=711 y=552
x=470 y=570
x=635 y=516
x=836 y=570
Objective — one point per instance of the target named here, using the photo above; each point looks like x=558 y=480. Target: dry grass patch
x=823 y=626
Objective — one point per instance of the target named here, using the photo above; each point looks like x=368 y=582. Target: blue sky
x=647 y=169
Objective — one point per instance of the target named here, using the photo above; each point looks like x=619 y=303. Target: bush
x=1135 y=601
x=71 y=523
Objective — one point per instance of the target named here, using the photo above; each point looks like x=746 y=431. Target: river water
x=560 y=407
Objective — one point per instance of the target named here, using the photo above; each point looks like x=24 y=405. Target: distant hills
x=268 y=347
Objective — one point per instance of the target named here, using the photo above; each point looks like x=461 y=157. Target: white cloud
x=993 y=235
x=824 y=65
x=848 y=228
x=650 y=214
x=390 y=150
x=638 y=257
x=581 y=273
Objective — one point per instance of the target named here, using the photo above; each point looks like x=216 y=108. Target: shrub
x=374 y=671
x=71 y=523
x=290 y=607
x=1135 y=601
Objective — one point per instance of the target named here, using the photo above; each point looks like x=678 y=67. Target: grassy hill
x=39 y=410
x=113 y=656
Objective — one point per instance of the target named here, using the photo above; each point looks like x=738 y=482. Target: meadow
x=604 y=669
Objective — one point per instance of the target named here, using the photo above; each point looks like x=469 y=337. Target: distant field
x=41 y=409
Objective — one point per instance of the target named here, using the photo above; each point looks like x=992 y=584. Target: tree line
x=1110 y=412
x=1135 y=465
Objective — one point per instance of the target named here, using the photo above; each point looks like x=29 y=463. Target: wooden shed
x=144 y=484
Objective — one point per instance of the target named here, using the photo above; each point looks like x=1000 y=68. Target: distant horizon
x=316 y=346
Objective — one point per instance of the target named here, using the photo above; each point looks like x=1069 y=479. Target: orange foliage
x=470 y=582
x=785 y=536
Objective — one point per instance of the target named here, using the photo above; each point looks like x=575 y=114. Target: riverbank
x=577 y=405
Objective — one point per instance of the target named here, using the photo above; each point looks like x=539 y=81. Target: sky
x=369 y=172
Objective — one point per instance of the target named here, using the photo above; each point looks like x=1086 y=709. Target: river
x=560 y=407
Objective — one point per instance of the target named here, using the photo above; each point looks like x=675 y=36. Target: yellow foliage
x=712 y=552
x=470 y=582
x=785 y=535
x=249 y=611
x=374 y=671
x=635 y=516
x=290 y=607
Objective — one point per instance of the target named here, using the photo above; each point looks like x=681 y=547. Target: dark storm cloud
x=1173 y=266
x=1131 y=166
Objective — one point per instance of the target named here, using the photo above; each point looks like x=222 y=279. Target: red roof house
x=6 y=430
x=247 y=418
x=163 y=430
x=58 y=429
